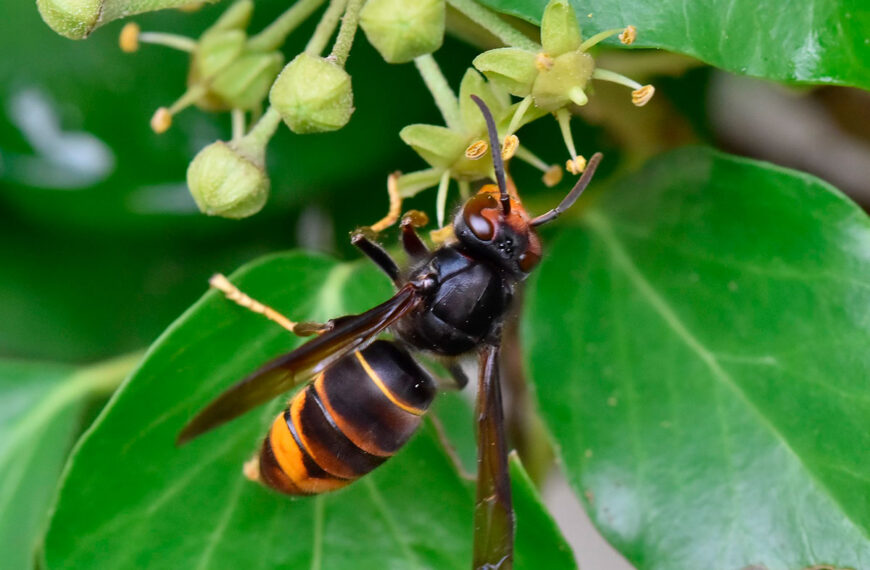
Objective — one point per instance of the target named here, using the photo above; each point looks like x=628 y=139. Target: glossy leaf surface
x=132 y=499
x=710 y=393
x=39 y=416
x=811 y=41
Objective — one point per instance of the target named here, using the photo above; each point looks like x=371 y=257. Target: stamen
x=528 y=157
x=564 y=117
x=641 y=97
x=614 y=77
x=598 y=38
x=476 y=150
x=181 y=43
x=543 y=61
x=553 y=176
x=518 y=114
x=576 y=166
x=162 y=118
x=628 y=35
x=237 y=116
x=441 y=198
x=129 y=38
x=509 y=147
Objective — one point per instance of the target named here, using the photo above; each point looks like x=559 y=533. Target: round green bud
x=312 y=95
x=225 y=182
x=246 y=82
x=76 y=19
x=564 y=81
x=215 y=51
x=404 y=29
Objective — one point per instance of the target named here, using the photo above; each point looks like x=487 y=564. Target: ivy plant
x=690 y=354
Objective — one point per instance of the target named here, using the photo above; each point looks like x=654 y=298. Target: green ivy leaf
x=813 y=41
x=39 y=416
x=709 y=392
x=131 y=498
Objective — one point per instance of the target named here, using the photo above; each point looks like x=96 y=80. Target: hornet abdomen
x=350 y=419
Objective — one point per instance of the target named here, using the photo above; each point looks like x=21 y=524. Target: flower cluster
x=233 y=70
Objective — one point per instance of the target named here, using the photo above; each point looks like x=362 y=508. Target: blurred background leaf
x=709 y=396
x=42 y=410
x=38 y=425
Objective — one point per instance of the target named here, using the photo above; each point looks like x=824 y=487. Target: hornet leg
x=221 y=283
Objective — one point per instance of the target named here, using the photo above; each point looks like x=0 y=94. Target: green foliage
x=709 y=395
x=812 y=41
x=191 y=507
x=38 y=418
x=695 y=337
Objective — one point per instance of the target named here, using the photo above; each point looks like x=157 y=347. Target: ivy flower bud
x=402 y=30
x=76 y=19
x=215 y=50
x=224 y=181
x=246 y=82
x=313 y=95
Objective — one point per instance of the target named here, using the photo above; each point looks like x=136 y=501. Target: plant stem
x=489 y=20
x=325 y=27
x=273 y=35
x=254 y=143
x=346 y=32
x=444 y=97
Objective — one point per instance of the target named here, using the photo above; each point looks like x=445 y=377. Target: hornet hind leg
x=233 y=293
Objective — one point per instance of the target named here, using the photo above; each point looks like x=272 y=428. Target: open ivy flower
x=460 y=150
x=558 y=75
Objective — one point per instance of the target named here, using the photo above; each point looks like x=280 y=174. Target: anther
x=628 y=35
x=509 y=146
x=129 y=38
x=553 y=176
x=161 y=120
x=641 y=97
x=576 y=166
x=543 y=61
x=476 y=150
